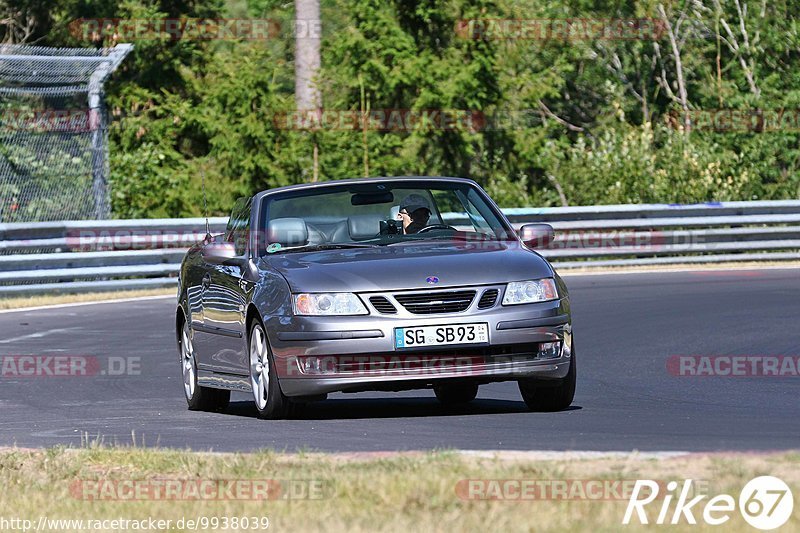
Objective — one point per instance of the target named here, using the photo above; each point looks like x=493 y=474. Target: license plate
x=441 y=335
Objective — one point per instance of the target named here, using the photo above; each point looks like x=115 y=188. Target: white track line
x=503 y=455
x=555 y=455
x=610 y=272
x=37 y=335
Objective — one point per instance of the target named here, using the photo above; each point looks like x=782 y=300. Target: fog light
x=549 y=350
x=317 y=365
x=310 y=365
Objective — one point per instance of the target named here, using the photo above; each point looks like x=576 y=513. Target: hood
x=408 y=266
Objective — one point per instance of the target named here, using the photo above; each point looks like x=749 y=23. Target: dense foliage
x=553 y=121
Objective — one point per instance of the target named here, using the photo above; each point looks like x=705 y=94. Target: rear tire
x=455 y=393
x=270 y=402
x=198 y=398
x=549 y=396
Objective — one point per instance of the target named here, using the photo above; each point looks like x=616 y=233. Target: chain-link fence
x=53 y=132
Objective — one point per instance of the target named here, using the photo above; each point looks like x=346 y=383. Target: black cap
x=412 y=202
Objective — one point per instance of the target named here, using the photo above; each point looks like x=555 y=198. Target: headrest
x=364 y=226
x=287 y=231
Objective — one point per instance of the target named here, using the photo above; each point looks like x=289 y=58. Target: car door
x=195 y=270
x=225 y=301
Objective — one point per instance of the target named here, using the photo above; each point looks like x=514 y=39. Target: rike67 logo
x=765 y=503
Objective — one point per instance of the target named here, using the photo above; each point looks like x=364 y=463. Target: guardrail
x=89 y=256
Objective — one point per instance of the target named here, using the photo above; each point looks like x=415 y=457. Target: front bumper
x=354 y=354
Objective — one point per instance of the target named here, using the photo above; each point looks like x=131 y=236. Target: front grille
x=382 y=305
x=429 y=303
x=488 y=298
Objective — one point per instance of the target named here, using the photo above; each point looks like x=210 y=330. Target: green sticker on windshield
x=274 y=247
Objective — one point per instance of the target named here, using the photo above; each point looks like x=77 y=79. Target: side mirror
x=224 y=253
x=537 y=235
x=219 y=253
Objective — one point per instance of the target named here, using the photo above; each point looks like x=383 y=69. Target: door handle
x=206 y=281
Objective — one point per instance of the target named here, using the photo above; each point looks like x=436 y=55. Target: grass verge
x=20 y=302
x=358 y=492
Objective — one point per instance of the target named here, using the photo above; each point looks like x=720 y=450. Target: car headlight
x=328 y=303
x=527 y=292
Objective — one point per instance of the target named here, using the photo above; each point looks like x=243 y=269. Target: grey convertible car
x=372 y=284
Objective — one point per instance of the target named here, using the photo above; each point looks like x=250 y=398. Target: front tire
x=547 y=396
x=456 y=393
x=270 y=401
x=198 y=398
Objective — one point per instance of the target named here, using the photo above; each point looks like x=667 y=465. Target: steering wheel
x=436 y=226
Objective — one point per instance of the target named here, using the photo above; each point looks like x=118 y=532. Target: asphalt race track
x=626 y=327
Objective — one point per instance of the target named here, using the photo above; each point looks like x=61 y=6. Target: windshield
x=379 y=214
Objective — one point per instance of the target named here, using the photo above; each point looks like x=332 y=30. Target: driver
x=414 y=213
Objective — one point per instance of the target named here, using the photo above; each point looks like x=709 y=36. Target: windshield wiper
x=454 y=237
x=326 y=246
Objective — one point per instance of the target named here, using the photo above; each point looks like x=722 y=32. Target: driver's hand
x=405 y=218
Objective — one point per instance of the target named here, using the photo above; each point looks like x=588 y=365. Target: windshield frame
x=262 y=199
